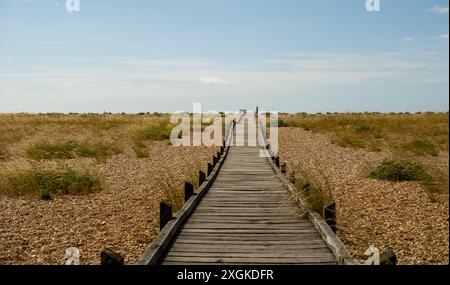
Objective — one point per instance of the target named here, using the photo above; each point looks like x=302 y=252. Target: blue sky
x=285 y=55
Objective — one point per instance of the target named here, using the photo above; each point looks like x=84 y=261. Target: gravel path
x=124 y=217
x=392 y=215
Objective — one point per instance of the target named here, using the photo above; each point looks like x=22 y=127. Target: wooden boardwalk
x=245 y=217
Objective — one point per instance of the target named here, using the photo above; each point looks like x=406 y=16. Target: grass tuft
x=397 y=170
x=404 y=170
x=47 y=182
x=158 y=132
x=314 y=188
x=69 y=150
x=420 y=147
x=3 y=152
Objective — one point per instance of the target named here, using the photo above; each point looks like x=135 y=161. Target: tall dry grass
x=421 y=134
x=313 y=186
x=32 y=144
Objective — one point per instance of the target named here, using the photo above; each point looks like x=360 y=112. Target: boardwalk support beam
x=277 y=161
x=283 y=168
x=201 y=177
x=329 y=215
x=111 y=258
x=165 y=214
x=388 y=258
x=210 y=168
x=188 y=191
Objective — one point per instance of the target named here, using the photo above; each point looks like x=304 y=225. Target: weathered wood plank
x=253 y=260
x=262 y=253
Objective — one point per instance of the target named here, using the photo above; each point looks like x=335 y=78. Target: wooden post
x=165 y=214
x=277 y=161
x=329 y=214
x=219 y=154
x=283 y=167
x=111 y=258
x=221 y=150
x=292 y=177
x=215 y=160
x=201 y=177
x=388 y=258
x=188 y=190
x=210 y=168
x=268 y=146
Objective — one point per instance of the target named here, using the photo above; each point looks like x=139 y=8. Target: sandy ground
x=123 y=217
x=391 y=215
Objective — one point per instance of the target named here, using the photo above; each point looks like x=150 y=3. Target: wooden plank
x=250 y=231
x=248 y=226
x=249 y=237
x=247 y=253
x=232 y=263
x=251 y=260
x=248 y=248
x=298 y=243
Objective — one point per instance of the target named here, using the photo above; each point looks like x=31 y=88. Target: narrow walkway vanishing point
x=245 y=218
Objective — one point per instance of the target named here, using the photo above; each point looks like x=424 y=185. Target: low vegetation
x=398 y=170
x=421 y=134
x=70 y=149
x=173 y=189
x=405 y=170
x=40 y=139
x=3 y=153
x=46 y=182
x=313 y=187
x=157 y=132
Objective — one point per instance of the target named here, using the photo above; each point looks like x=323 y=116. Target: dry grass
x=45 y=181
x=396 y=215
x=68 y=159
x=313 y=186
x=59 y=137
x=410 y=137
x=56 y=132
x=422 y=134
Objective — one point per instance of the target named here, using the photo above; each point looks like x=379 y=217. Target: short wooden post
x=388 y=258
x=277 y=161
x=111 y=258
x=188 y=190
x=268 y=146
x=329 y=214
x=292 y=177
x=221 y=150
x=283 y=167
x=210 y=168
x=219 y=154
x=165 y=214
x=201 y=177
x=215 y=160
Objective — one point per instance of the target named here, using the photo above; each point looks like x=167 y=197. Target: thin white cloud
x=408 y=39
x=106 y=40
x=439 y=10
x=443 y=37
x=213 y=80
